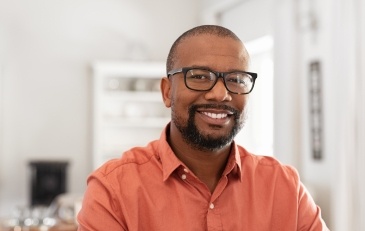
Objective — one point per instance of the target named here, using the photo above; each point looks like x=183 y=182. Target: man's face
x=207 y=120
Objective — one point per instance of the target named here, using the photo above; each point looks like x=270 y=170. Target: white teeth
x=215 y=115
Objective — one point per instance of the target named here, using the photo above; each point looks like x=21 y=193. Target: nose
x=219 y=92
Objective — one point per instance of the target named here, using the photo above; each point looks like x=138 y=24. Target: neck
x=208 y=166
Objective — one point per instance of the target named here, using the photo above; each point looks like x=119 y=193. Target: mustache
x=195 y=107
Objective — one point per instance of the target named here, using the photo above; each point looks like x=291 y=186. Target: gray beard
x=200 y=141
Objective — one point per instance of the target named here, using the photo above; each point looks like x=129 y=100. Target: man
x=195 y=177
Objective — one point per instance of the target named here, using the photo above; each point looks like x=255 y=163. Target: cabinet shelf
x=128 y=109
x=148 y=122
x=133 y=96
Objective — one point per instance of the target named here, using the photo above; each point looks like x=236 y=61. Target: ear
x=166 y=91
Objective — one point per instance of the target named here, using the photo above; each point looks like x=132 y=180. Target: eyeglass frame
x=218 y=75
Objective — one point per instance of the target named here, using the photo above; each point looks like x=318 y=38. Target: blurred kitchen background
x=59 y=60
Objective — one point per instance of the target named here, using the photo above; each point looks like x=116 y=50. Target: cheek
x=178 y=102
x=181 y=102
x=245 y=107
x=179 y=94
x=242 y=104
x=242 y=109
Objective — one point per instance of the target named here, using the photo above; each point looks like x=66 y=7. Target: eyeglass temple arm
x=173 y=72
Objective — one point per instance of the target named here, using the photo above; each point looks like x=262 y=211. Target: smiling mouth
x=215 y=115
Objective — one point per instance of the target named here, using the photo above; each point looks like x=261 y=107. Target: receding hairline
x=194 y=32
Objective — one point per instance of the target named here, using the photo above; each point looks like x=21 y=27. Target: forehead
x=218 y=53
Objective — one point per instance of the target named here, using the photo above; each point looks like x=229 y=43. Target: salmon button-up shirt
x=150 y=189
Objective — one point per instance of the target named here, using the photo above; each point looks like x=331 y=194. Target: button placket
x=214 y=219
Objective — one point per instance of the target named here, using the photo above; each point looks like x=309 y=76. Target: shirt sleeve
x=309 y=214
x=99 y=211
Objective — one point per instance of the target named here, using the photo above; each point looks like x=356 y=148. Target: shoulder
x=134 y=158
x=267 y=166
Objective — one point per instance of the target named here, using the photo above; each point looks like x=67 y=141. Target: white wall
x=241 y=17
x=46 y=51
x=331 y=42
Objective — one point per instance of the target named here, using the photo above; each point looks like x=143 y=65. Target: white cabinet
x=128 y=110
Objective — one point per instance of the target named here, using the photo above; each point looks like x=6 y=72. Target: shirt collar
x=234 y=165
x=168 y=159
x=170 y=162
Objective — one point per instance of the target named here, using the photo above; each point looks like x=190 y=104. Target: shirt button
x=186 y=170
x=183 y=176
x=211 y=206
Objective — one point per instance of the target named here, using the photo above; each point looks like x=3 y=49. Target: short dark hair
x=199 y=30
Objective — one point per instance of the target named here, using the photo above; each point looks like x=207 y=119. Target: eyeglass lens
x=237 y=82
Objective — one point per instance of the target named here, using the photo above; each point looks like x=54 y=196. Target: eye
x=243 y=81
x=198 y=74
x=236 y=80
x=239 y=78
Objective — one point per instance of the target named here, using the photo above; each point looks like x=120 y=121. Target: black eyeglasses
x=200 y=79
